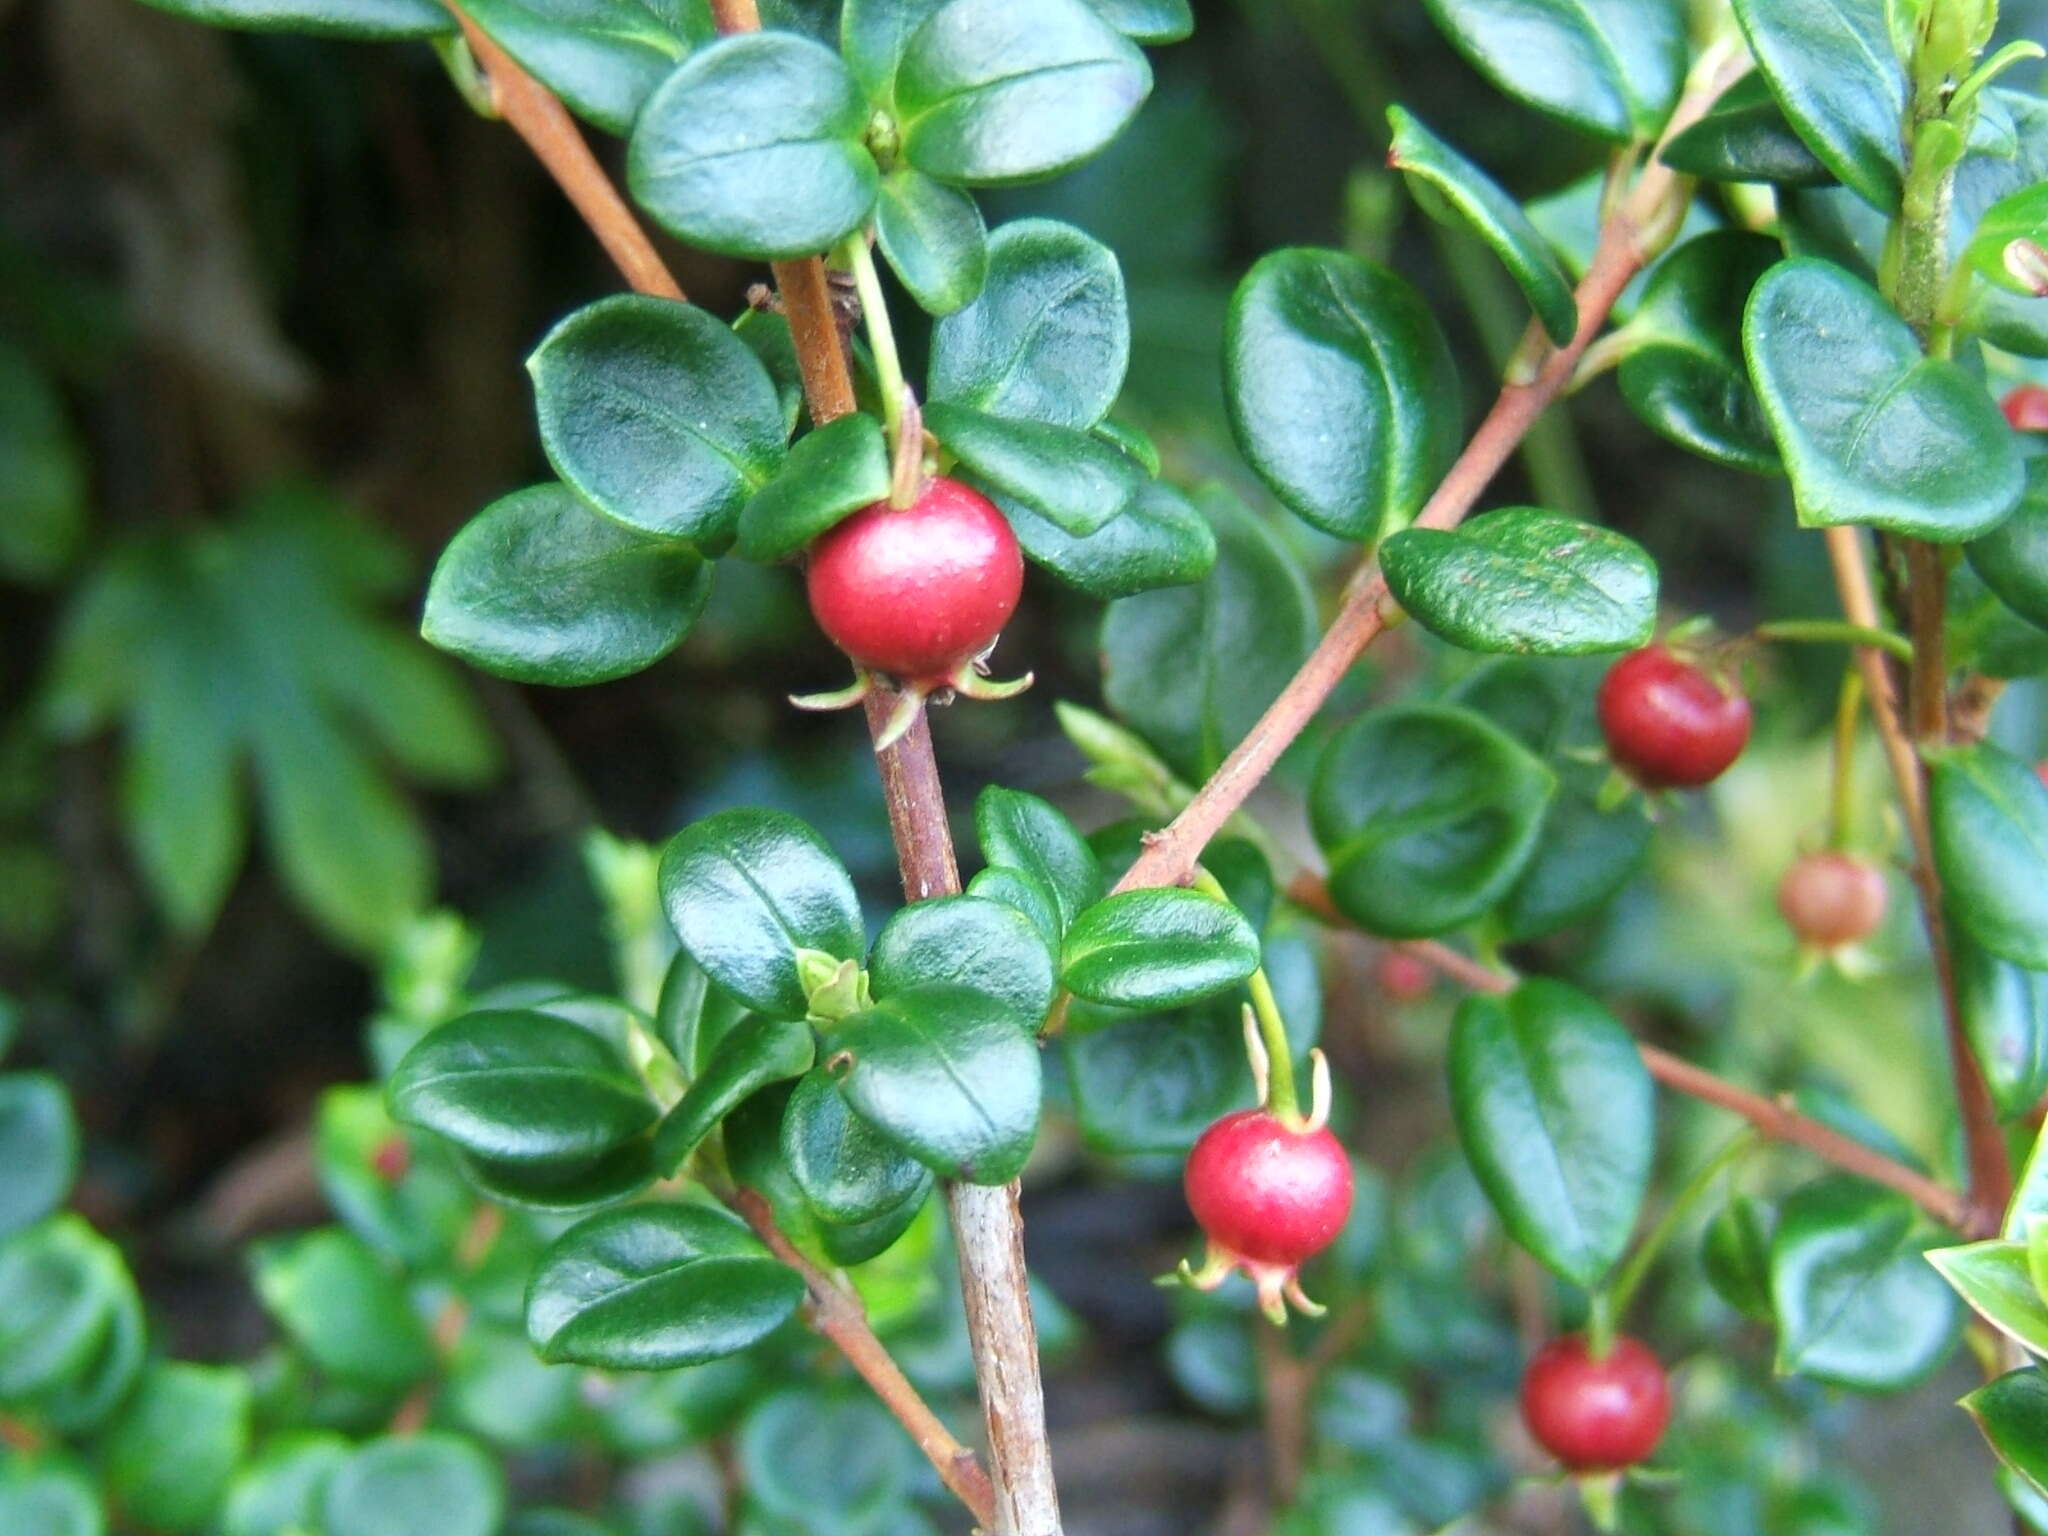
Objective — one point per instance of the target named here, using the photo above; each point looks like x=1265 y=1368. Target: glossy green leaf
x=1152 y=1083
x=1496 y=218
x=1990 y=820
x=1994 y=1278
x=657 y=415
x=752 y=147
x=1022 y=832
x=1522 y=579
x=1148 y=21
x=1159 y=539
x=1049 y=336
x=653 y=1287
x=1735 y=1254
x=848 y=1172
x=1192 y=668
x=1025 y=892
x=969 y=941
x=933 y=238
x=1341 y=389
x=1871 y=430
x=1745 y=136
x=524 y=1089
x=2012 y=320
x=278 y=1493
x=50 y=1500
x=803 y=1451
x=167 y=1458
x=557 y=1189
x=1557 y=1116
x=1858 y=1304
x=994 y=91
x=1160 y=948
x=349 y=1314
x=60 y=1288
x=830 y=475
x=745 y=890
x=947 y=1074
x=872 y=37
x=757 y=1052
x=1071 y=478
x=2012 y=1411
x=1427 y=815
x=538 y=588
x=334 y=18
x=602 y=57
x=414 y=1485
x=43 y=466
x=38 y=1148
x=2004 y=1008
x=1831 y=65
x=1610 y=67
x=2012 y=558
x=766 y=335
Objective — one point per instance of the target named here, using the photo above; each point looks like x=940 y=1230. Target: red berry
x=1403 y=977
x=391 y=1159
x=1667 y=723
x=1596 y=1415
x=1832 y=899
x=917 y=592
x=1267 y=1192
x=2027 y=408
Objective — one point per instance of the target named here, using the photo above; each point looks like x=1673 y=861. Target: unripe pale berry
x=1831 y=899
x=1668 y=724
x=1596 y=1415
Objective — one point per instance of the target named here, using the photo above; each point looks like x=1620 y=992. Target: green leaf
x=1192 y=668
x=44 y=471
x=524 y=1089
x=947 y=1074
x=50 y=1500
x=933 y=237
x=653 y=1287
x=745 y=890
x=416 y=1220
x=538 y=588
x=1557 y=1116
x=499 y=1389
x=1990 y=820
x=756 y=1053
x=803 y=1451
x=1735 y=1253
x=168 y=1457
x=848 y=1172
x=1022 y=832
x=996 y=91
x=2013 y=557
x=1858 y=1305
x=1157 y=949
x=1071 y=478
x=334 y=18
x=1148 y=21
x=563 y=1190
x=1610 y=67
x=872 y=37
x=60 y=1288
x=418 y=1485
x=2016 y=321
x=1158 y=540
x=1427 y=815
x=1870 y=429
x=657 y=415
x=1023 y=891
x=1832 y=67
x=2012 y=1411
x=766 y=335
x=602 y=57
x=1341 y=389
x=1996 y=1281
x=341 y=1306
x=752 y=147
x=1522 y=579
x=38 y=1148
x=100 y=1381
x=2004 y=1008
x=279 y=1492
x=969 y=941
x=1495 y=217
x=1152 y=1083
x=1049 y=336
x=1745 y=136
x=830 y=475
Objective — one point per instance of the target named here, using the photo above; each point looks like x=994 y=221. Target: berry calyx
x=1668 y=724
x=1403 y=977
x=1596 y=1415
x=2027 y=408
x=1269 y=1195
x=1832 y=899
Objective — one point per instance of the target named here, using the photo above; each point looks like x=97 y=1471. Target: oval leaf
x=603 y=57
x=167 y=1459
x=38 y=1148
x=350 y=1314
x=830 y=475
x=1990 y=820
x=2013 y=557
x=1022 y=832
x=415 y=1485
x=1831 y=65
x=1995 y=1279
x=2005 y=1014
x=2012 y=1411
x=969 y=941
x=933 y=237
x=1158 y=540
x=848 y=1172
x=1611 y=67
x=1072 y=478
x=756 y=1053
x=1157 y=949
x=1745 y=136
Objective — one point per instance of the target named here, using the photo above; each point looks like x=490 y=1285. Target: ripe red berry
x=2027 y=408
x=1403 y=977
x=1831 y=899
x=1270 y=1196
x=917 y=593
x=1596 y=1415
x=1668 y=724
x=391 y=1159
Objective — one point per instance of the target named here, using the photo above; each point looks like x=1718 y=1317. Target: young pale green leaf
x=1427 y=815
x=1858 y=1305
x=333 y=18
x=1341 y=389
x=61 y=1287
x=1148 y=21
x=2012 y=1411
x=524 y=1089
x=1746 y=137
x=418 y=1219
x=414 y=1485
x=1071 y=478
x=969 y=941
x=830 y=475
x=38 y=1148
x=1157 y=949
x=279 y=1491
x=1996 y=1280
x=1022 y=832
x=336 y=1301
x=1158 y=540
x=1027 y=892
x=1049 y=336
x=1522 y=579
x=538 y=588
x=995 y=91
x=804 y=1450
x=1557 y=1116
x=654 y=1287
x=1193 y=667
x=1735 y=1254
x=657 y=415
x=1495 y=217
x=2012 y=558
x=50 y=1499
x=947 y=1074
x=933 y=238
x=752 y=147
x=1990 y=820
x=757 y=1052
x=848 y=1172
x=745 y=890
x=603 y=57
x=1610 y=67
x=2004 y=1008
x=168 y=1457
x=1831 y=65
x=1871 y=429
